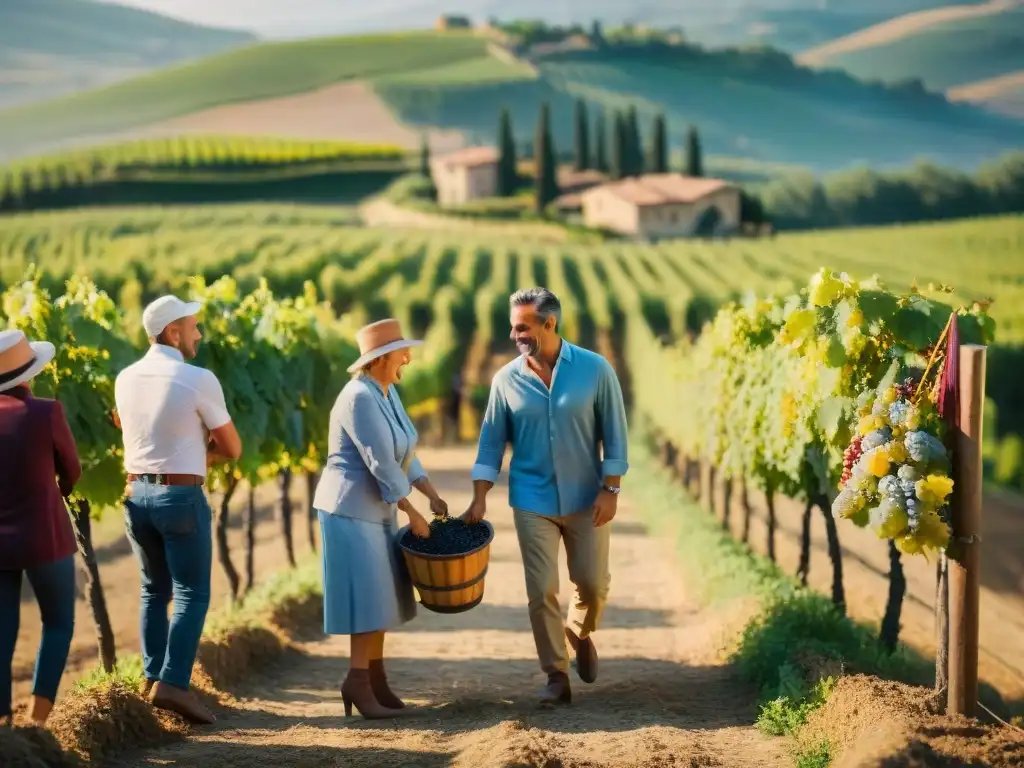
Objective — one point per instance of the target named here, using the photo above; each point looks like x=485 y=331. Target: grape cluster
x=850 y=457
x=448 y=536
x=907 y=389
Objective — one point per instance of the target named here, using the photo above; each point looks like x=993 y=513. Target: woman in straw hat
x=36 y=537
x=369 y=474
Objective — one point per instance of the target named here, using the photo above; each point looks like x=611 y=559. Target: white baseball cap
x=164 y=311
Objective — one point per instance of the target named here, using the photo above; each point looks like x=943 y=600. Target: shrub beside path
x=664 y=697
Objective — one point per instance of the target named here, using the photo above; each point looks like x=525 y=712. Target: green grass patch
x=814 y=756
x=798 y=643
x=286 y=586
x=788 y=713
x=261 y=71
x=127 y=671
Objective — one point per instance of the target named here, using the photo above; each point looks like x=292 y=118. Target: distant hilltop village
x=530 y=38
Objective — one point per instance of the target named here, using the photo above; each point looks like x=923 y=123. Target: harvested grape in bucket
x=448 y=536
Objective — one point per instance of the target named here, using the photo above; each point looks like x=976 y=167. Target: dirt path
x=120 y=577
x=898 y=28
x=663 y=697
x=383 y=213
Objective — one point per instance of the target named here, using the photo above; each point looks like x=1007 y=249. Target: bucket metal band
x=453 y=587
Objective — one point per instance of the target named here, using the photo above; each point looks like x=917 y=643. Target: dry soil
x=664 y=697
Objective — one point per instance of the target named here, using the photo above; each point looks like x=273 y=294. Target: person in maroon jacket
x=37 y=540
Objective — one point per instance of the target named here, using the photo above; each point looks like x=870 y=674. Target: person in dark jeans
x=169 y=530
x=175 y=423
x=37 y=540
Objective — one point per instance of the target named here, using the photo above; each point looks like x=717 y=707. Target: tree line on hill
x=859 y=197
x=864 y=197
x=625 y=155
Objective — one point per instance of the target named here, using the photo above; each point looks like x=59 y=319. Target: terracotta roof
x=664 y=188
x=470 y=156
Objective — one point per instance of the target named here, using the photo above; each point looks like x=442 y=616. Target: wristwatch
x=611 y=489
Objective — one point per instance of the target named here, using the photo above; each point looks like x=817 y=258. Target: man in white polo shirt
x=175 y=423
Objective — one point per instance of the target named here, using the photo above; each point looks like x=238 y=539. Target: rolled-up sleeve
x=366 y=426
x=611 y=413
x=493 y=436
x=416 y=470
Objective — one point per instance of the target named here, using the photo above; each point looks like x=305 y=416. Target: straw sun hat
x=377 y=339
x=20 y=359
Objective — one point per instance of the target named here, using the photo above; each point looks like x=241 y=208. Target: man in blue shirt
x=560 y=407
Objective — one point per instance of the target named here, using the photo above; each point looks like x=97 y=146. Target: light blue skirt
x=366 y=584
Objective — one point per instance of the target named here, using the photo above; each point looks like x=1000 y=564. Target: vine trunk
x=221 y=540
x=95 y=597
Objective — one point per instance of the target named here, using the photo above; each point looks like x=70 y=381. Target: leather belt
x=168 y=479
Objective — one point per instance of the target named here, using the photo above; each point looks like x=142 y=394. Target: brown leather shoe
x=586 y=656
x=183 y=702
x=557 y=691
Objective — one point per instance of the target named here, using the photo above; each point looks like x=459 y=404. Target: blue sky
x=287 y=18
x=291 y=18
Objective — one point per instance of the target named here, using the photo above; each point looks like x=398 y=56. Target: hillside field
x=81 y=278
x=751 y=105
x=49 y=48
x=288 y=245
x=944 y=55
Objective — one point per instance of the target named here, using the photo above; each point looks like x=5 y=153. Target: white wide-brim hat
x=20 y=359
x=377 y=339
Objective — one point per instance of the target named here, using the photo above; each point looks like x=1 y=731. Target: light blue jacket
x=565 y=441
x=371 y=462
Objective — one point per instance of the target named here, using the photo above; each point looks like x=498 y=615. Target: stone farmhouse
x=663 y=205
x=465 y=175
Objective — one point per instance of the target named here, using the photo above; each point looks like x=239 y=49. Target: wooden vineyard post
x=965 y=557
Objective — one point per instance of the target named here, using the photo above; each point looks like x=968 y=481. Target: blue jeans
x=169 y=528
x=54 y=587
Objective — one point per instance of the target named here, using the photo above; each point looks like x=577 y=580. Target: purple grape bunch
x=448 y=536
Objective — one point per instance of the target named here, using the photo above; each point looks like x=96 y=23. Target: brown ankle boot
x=39 y=709
x=379 y=683
x=357 y=691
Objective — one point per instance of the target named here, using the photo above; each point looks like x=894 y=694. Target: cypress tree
x=508 y=176
x=582 y=137
x=694 y=163
x=601 y=142
x=620 y=148
x=424 y=157
x=546 y=164
x=634 y=148
x=658 y=161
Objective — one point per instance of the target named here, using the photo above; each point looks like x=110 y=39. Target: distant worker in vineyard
x=37 y=541
x=175 y=423
x=369 y=474
x=561 y=408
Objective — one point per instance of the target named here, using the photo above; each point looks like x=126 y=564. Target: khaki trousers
x=586 y=549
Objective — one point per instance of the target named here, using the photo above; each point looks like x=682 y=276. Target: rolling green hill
x=252 y=73
x=945 y=55
x=753 y=104
x=52 y=47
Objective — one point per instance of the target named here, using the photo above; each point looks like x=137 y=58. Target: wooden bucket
x=449 y=583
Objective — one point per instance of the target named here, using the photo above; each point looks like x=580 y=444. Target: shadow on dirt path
x=663 y=698
x=120 y=576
